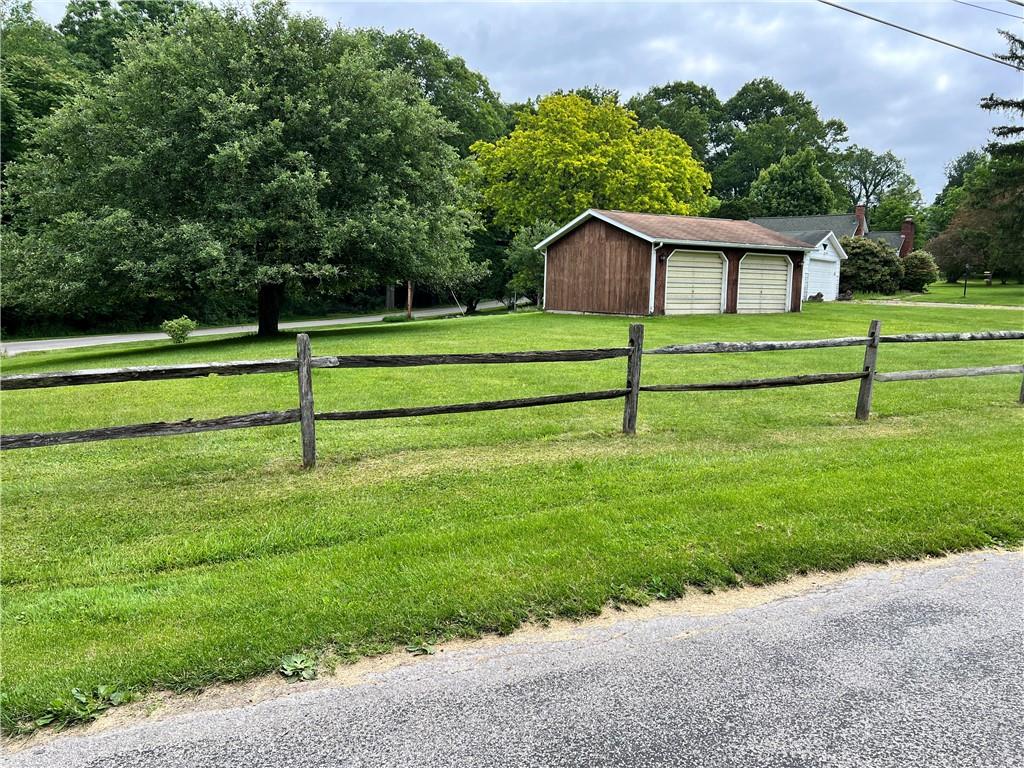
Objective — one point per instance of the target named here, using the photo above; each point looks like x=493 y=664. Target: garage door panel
x=823 y=278
x=693 y=283
x=763 y=284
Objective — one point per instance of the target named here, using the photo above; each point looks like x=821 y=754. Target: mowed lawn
x=1011 y=294
x=176 y=562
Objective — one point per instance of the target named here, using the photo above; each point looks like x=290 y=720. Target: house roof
x=843 y=224
x=686 y=230
x=814 y=236
x=892 y=239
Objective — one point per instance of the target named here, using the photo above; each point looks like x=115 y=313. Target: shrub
x=178 y=329
x=919 y=271
x=871 y=267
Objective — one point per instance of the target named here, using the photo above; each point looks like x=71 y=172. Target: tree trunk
x=408 y=299
x=471 y=305
x=270 y=298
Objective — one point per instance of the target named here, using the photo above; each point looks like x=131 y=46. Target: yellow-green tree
x=572 y=154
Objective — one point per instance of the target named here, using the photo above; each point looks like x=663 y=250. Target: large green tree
x=38 y=74
x=461 y=95
x=868 y=176
x=94 y=28
x=792 y=187
x=688 y=109
x=246 y=153
x=766 y=123
x=572 y=154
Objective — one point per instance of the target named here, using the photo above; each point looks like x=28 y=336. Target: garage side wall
x=598 y=268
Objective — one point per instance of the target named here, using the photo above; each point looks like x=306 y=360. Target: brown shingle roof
x=696 y=229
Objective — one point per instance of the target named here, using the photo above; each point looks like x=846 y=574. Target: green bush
x=919 y=271
x=871 y=267
x=178 y=329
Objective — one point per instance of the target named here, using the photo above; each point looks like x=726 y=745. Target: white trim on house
x=544 y=289
x=592 y=214
x=789 y=282
x=725 y=274
x=588 y=214
x=654 y=272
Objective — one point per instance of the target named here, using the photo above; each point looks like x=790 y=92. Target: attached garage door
x=822 y=276
x=693 y=283
x=763 y=284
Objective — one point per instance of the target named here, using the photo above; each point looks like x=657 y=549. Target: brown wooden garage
x=617 y=262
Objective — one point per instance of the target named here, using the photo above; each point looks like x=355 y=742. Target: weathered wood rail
x=304 y=363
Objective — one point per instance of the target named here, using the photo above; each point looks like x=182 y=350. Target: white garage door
x=763 y=284
x=693 y=283
x=823 y=278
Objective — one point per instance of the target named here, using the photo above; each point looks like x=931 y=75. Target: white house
x=821 y=266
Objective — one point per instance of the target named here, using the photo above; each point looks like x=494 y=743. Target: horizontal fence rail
x=917 y=338
x=801 y=380
x=715 y=347
x=304 y=363
x=948 y=373
x=487 y=405
x=144 y=373
x=286 y=365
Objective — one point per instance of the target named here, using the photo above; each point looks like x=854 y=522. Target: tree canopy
x=573 y=154
x=792 y=187
x=245 y=153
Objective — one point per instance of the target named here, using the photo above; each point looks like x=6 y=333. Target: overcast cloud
x=893 y=90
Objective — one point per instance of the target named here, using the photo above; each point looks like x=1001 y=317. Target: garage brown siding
x=598 y=268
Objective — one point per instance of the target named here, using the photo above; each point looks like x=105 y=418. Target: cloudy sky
x=893 y=90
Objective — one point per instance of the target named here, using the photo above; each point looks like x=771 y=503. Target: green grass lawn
x=1011 y=294
x=176 y=562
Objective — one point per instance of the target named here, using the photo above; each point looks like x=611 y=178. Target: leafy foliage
x=244 y=154
x=919 y=271
x=792 y=187
x=298 y=666
x=525 y=263
x=687 y=109
x=81 y=706
x=461 y=95
x=765 y=123
x=94 y=28
x=178 y=329
x=572 y=155
x=39 y=73
x=868 y=176
x=871 y=267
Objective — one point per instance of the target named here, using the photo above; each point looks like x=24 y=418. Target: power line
x=990 y=10
x=1016 y=2
x=926 y=37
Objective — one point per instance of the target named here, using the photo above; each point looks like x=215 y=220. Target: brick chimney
x=908 y=231
x=862 y=225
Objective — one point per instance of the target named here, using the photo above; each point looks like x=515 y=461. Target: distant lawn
x=1011 y=294
x=177 y=562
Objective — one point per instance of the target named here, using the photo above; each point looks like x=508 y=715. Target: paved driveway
x=72 y=342
x=905 y=666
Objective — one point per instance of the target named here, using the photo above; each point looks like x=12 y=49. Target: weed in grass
x=422 y=649
x=298 y=666
x=81 y=706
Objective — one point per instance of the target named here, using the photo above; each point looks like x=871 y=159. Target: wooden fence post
x=306 y=418
x=636 y=353
x=868 y=382
x=1021 y=398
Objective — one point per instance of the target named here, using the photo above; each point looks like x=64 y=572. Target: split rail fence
x=304 y=363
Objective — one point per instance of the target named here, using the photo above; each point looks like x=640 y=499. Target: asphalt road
x=908 y=666
x=71 y=342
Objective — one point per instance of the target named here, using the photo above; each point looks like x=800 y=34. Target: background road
x=907 y=666
x=72 y=342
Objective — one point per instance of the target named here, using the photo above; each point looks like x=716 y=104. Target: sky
x=892 y=89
